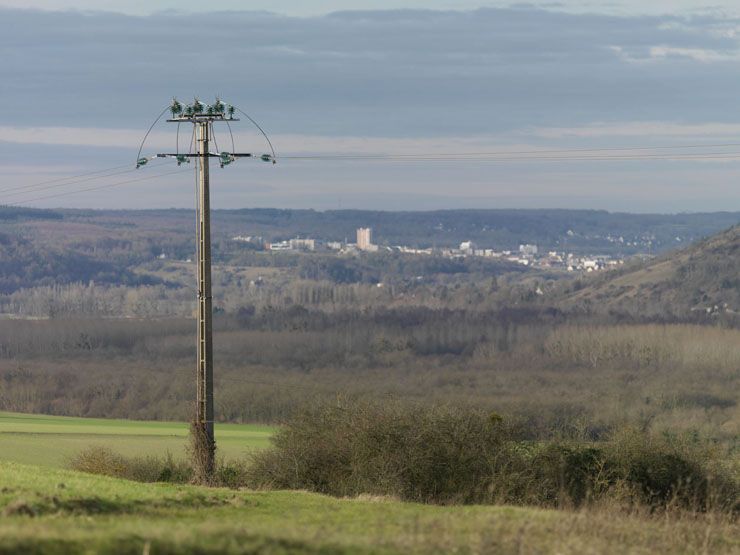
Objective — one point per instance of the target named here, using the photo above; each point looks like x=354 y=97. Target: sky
x=83 y=80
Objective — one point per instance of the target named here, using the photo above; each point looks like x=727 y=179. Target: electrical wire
x=503 y=157
x=159 y=117
x=213 y=136
x=257 y=125
x=233 y=148
x=97 y=188
x=76 y=182
x=58 y=179
x=504 y=153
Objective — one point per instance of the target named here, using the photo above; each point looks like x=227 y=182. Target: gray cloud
x=506 y=74
x=400 y=73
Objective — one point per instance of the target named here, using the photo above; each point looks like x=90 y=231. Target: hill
x=44 y=248
x=55 y=511
x=701 y=280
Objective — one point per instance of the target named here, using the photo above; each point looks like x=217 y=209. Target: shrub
x=458 y=455
x=569 y=474
x=440 y=455
x=232 y=474
x=662 y=472
x=102 y=460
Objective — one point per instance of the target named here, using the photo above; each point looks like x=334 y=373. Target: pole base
x=202 y=451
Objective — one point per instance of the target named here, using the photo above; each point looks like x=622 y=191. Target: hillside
x=56 y=511
x=27 y=263
x=703 y=279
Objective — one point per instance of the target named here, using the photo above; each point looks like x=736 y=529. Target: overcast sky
x=322 y=7
x=80 y=89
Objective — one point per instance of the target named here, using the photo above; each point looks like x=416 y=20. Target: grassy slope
x=51 y=440
x=698 y=277
x=74 y=512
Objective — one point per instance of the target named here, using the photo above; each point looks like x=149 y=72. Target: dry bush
x=349 y=448
x=641 y=346
x=105 y=461
x=458 y=455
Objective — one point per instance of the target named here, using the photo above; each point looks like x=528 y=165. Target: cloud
x=375 y=73
x=376 y=81
x=642 y=129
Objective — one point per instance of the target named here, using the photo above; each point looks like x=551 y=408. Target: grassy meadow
x=53 y=440
x=59 y=511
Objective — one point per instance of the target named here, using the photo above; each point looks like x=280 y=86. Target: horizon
x=390 y=210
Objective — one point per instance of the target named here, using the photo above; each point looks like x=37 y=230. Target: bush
x=102 y=460
x=663 y=472
x=569 y=475
x=439 y=455
x=457 y=455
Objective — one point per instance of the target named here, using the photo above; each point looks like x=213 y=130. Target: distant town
x=526 y=255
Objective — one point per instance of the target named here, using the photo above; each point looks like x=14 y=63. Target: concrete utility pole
x=203 y=117
x=204 y=372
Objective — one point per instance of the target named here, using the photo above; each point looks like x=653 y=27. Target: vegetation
x=701 y=279
x=43 y=248
x=53 y=511
x=454 y=455
x=54 y=441
x=556 y=379
x=469 y=382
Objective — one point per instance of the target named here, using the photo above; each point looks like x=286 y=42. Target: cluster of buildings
x=364 y=243
x=527 y=255
x=530 y=255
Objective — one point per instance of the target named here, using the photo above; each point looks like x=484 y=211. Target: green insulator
x=226 y=158
x=176 y=108
x=181 y=158
x=230 y=111
x=218 y=107
x=197 y=107
x=141 y=162
x=266 y=158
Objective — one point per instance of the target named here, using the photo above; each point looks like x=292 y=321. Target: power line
x=333 y=156
x=69 y=183
x=96 y=188
x=554 y=155
x=32 y=185
x=516 y=158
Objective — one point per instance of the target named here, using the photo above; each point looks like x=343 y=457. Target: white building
x=365 y=239
x=303 y=244
x=280 y=246
x=528 y=250
x=467 y=247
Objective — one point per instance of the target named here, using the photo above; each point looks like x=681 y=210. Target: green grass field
x=46 y=510
x=52 y=440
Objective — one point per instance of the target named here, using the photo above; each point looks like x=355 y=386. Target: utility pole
x=204 y=373
x=202 y=116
